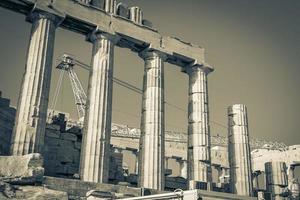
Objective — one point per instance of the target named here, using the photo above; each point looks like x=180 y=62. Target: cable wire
x=57 y=90
x=140 y=91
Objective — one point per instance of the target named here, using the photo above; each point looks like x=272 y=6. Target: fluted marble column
x=152 y=147
x=276 y=179
x=29 y=131
x=199 y=159
x=106 y=5
x=136 y=15
x=94 y=160
x=239 y=151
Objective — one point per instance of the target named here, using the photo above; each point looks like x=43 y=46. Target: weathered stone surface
x=55 y=127
x=25 y=169
x=183 y=168
x=199 y=156
x=29 y=130
x=175 y=182
x=69 y=136
x=276 y=178
x=147 y=23
x=31 y=193
x=75 y=130
x=152 y=141
x=239 y=151
x=61 y=157
x=100 y=195
x=77 y=145
x=80 y=188
x=276 y=173
x=94 y=159
x=115 y=167
x=122 y=10
x=52 y=133
x=7 y=190
x=136 y=15
x=105 y=195
x=84 y=18
x=290 y=155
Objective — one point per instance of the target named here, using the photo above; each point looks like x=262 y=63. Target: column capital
x=197 y=67
x=150 y=53
x=97 y=34
x=36 y=15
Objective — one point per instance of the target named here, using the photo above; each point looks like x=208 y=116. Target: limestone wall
x=62 y=151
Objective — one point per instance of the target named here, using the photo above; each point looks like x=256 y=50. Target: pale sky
x=254 y=46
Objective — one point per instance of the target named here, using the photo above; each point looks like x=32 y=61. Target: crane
x=67 y=64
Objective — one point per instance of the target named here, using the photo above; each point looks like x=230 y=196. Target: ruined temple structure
x=60 y=159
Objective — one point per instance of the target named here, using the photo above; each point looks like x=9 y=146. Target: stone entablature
x=81 y=17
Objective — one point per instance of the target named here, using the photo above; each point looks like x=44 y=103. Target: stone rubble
x=27 y=169
x=21 y=178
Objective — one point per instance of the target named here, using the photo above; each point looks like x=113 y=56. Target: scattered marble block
x=21 y=170
x=31 y=193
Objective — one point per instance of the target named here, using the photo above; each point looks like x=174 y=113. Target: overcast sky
x=254 y=46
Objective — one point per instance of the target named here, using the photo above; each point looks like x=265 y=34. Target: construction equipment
x=67 y=64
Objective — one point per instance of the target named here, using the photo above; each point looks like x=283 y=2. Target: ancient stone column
x=183 y=168
x=94 y=161
x=152 y=147
x=220 y=172
x=106 y=5
x=239 y=151
x=136 y=15
x=294 y=188
x=225 y=174
x=29 y=131
x=167 y=162
x=255 y=181
x=199 y=159
x=291 y=173
x=276 y=179
x=136 y=166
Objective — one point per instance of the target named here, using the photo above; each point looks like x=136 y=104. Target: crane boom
x=67 y=63
x=80 y=97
